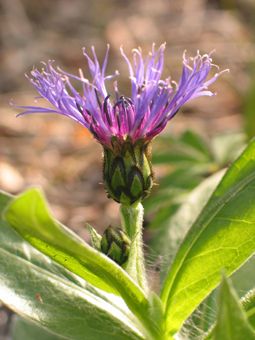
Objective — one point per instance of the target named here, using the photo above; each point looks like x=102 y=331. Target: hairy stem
x=132 y=223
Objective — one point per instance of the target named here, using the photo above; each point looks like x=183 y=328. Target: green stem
x=132 y=223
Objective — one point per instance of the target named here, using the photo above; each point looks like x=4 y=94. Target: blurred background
x=62 y=157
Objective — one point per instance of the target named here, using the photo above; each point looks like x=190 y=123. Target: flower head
x=141 y=115
x=124 y=125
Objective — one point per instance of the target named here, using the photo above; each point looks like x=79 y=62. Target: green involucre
x=127 y=173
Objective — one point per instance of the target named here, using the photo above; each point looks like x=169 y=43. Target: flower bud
x=115 y=244
x=127 y=171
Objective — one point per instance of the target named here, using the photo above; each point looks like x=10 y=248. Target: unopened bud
x=115 y=244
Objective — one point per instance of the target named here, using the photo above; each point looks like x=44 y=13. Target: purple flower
x=142 y=115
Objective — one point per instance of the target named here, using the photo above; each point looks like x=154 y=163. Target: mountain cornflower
x=123 y=124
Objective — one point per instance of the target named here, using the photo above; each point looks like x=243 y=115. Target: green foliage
x=95 y=238
x=74 y=280
x=204 y=317
x=29 y=216
x=39 y=289
x=24 y=330
x=232 y=322
x=223 y=236
x=167 y=238
x=189 y=160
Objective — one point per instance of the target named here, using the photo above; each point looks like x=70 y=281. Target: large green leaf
x=168 y=238
x=11 y=241
x=204 y=317
x=43 y=291
x=28 y=214
x=232 y=322
x=223 y=236
x=30 y=217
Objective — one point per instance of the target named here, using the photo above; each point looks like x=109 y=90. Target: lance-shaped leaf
x=28 y=214
x=223 y=236
x=50 y=296
x=232 y=322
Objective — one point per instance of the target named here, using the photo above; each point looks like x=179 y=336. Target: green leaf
x=156 y=310
x=4 y=200
x=161 y=217
x=188 y=148
x=172 y=191
x=227 y=147
x=223 y=236
x=28 y=214
x=30 y=217
x=95 y=238
x=177 y=157
x=51 y=301
x=167 y=240
x=182 y=178
x=232 y=322
x=204 y=317
x=24 y=330
x=243 y=279
x=194 y=140
x=44 y=292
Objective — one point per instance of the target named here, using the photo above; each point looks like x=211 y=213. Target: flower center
x=124 y=113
